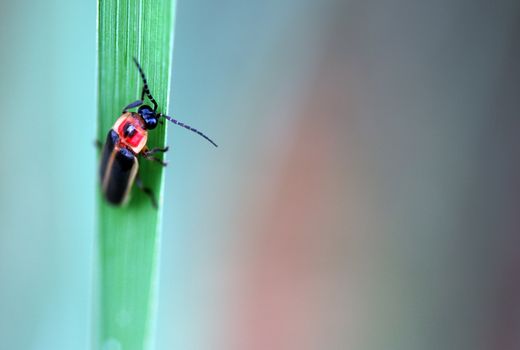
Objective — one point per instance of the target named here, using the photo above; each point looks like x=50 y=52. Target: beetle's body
x=119 y=162
x=125 y=141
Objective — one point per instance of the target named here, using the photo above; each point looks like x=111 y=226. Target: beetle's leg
x=148 y=154
x=148 y=157
x=133 y=105
x=146 y=190
x=155 y=150
x=98 y=144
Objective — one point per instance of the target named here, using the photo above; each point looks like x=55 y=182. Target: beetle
x=127 y=139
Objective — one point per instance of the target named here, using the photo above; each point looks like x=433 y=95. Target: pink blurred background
x=363 y=182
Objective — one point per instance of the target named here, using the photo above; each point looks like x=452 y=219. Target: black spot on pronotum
x=129 y=130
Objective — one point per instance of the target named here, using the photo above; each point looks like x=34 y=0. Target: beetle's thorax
x=131 y=131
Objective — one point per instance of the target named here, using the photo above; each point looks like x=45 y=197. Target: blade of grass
x=129 y=237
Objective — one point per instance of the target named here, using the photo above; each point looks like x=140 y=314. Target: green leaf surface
x=129 y=237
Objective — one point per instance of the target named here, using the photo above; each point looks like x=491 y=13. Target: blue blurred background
x=364 y=194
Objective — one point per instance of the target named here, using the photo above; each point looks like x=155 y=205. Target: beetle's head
x=149 y=116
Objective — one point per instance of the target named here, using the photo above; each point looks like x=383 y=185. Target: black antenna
x=176 y=122
x=146 y=90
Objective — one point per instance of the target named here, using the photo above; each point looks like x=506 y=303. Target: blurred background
x=364 y=194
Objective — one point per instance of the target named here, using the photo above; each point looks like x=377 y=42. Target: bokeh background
x=364 y=194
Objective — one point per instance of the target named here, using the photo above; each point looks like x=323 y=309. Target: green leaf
x=129 y=237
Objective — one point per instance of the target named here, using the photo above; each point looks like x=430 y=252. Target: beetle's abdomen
x=122 y=176
x=118 y=170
